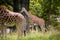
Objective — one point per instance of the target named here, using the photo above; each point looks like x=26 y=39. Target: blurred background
x=49 y=10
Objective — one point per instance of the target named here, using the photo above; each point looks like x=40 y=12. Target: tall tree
x=16 y=5
x=25 y=3
x=49 y=8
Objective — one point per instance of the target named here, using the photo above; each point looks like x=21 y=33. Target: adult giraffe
x=35 y=19
x=9 y=18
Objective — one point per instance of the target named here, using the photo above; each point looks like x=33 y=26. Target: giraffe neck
x=28 y=14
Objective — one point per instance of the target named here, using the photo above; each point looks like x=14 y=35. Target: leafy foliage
x=45 y=9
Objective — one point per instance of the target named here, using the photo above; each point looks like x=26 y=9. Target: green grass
x=50 y=35
x=43 y=36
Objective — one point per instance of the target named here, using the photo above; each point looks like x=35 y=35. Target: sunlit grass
x=50 y=35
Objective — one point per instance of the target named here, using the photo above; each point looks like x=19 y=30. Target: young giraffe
x=8 y=18
x=35 y=19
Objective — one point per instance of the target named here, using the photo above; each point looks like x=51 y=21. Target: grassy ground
x=50 y=35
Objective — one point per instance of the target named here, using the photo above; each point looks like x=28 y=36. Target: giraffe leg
x=3 y=32
x=32 y=25
x=19 y=31
x=43 y=28
x=1 y=27
x=19 y=27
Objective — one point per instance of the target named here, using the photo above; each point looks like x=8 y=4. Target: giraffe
x=9 y=18
x=35 y=19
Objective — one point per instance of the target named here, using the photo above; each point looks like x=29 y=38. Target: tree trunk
x=16 y=5
x=49 y=12
x=25 y=3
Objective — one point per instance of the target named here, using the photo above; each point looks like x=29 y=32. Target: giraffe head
x=23 y=9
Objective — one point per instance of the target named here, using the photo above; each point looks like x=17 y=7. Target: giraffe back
x=9 y=18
